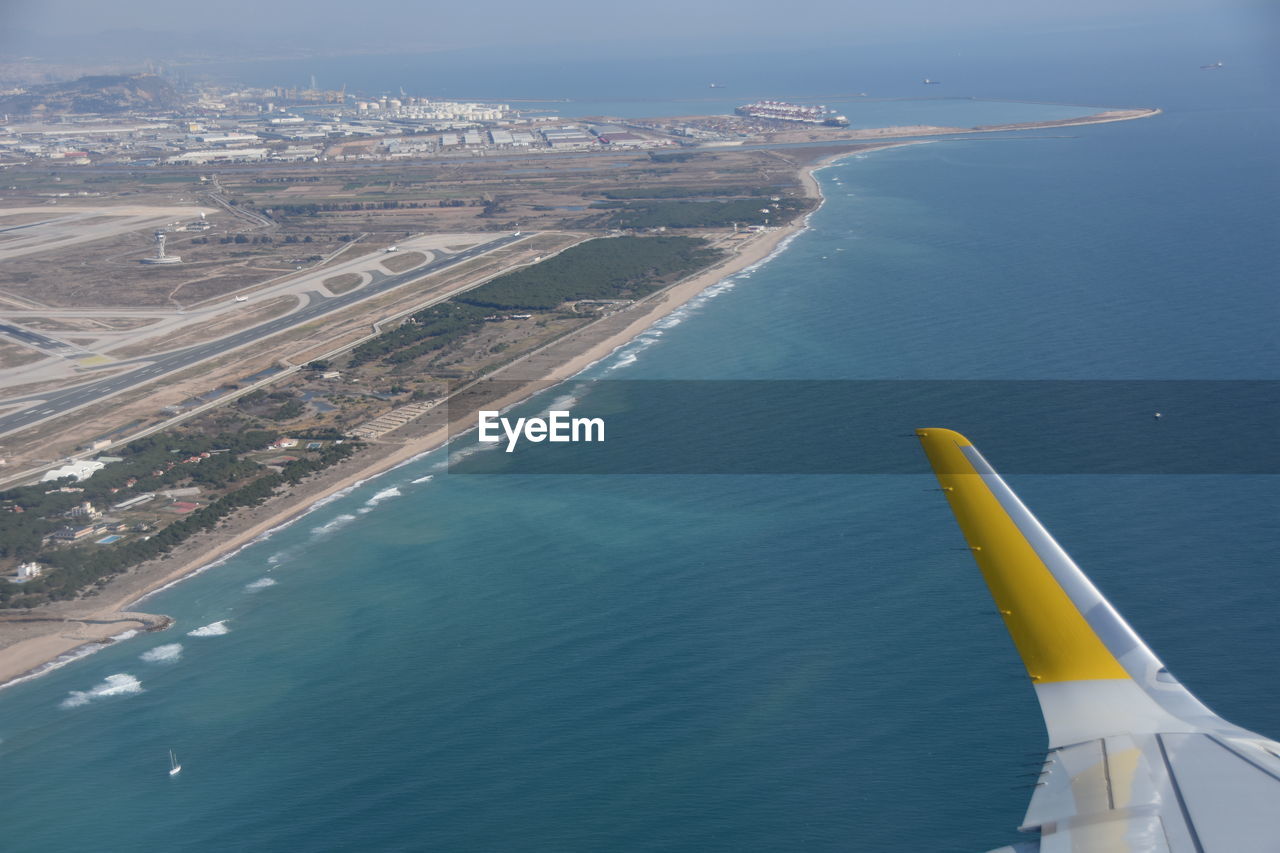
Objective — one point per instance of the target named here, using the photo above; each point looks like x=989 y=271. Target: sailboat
x=174 y=767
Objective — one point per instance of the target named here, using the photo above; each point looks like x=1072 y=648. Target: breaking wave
x=163 y=654
x=562 y=402
x=330 y=526
x=328 y=499
x=260 y=583
x=629 y=353
x=425 y=479
x=121 y=684
x=383 y=495
x=463 y=453
x=262 y=537
x=626 y=358
x=213 y=629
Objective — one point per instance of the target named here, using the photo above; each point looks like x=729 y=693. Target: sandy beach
x=49 y=636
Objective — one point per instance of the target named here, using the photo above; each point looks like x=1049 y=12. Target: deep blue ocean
x=441 y=661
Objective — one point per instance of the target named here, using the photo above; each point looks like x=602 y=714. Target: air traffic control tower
x=160 y=256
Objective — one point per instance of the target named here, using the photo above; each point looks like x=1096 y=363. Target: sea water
x=437 y=661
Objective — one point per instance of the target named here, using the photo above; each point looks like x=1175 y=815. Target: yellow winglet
x=1055 y=641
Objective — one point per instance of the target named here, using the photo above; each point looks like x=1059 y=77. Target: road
x=42 y=407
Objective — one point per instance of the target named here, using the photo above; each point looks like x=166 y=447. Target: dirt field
x=340 y=284
x=16 y=355
x=405 y=261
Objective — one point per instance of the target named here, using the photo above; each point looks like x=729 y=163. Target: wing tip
x=934 y=435
x=946 y=450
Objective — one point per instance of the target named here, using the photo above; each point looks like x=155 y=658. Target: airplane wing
x=1136 y=762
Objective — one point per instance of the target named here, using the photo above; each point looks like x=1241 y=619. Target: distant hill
x=98 y=94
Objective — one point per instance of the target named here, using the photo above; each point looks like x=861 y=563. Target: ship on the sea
x=782 y=111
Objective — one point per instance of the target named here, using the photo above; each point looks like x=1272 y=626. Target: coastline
x=57 y=634
x=53 y=636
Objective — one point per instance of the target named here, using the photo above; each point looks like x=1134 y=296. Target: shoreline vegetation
x=42 y=639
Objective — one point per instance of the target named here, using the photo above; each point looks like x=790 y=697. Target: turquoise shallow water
x=731 y=663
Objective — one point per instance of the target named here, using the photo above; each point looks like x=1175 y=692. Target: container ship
x=782 y=111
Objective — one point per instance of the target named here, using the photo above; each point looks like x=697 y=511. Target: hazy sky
x=464 y=23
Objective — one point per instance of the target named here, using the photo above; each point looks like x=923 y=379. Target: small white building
x=228 y=155
x=84 y=510
x=296 y=152
x=225 y=138
x=27 y=571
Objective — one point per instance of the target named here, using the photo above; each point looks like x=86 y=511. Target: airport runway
x=46 y=406
x=71 y=225
x=32 y=339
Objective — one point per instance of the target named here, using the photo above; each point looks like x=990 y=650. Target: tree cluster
x=660 y=191
x=617 y=268
x=316 y=208
x=76 y=568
